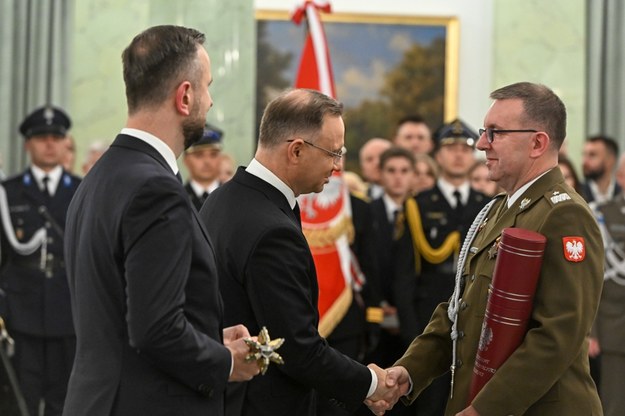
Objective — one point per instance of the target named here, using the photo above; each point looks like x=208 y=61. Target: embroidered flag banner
x=326 y=216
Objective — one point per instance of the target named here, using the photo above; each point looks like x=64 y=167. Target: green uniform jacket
x=548 y=374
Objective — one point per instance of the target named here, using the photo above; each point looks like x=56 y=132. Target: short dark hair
x=413 y=118
x=540 y=106
x=395 y=152
x=296 y=112
x=156 y=60
x=610 y=144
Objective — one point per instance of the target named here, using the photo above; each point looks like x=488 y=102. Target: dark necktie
x=179 y=176
x=46 y=188
x=398 y=224
x=459 y=206
x=297 y=214
x=203 y=197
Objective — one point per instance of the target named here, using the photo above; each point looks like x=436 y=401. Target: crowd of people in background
x=433 y=175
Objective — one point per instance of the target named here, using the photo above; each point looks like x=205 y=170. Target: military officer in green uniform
x=33 y=206
x=548 y=373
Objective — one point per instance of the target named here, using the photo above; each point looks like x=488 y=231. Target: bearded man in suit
x=142 y=274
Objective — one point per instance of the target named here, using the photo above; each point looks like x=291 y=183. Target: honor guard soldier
x=445 y=213
x=33 y=206
x=203 y=161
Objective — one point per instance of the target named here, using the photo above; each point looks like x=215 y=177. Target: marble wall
x=501 y=41
x=544 y=41
x=103 y=28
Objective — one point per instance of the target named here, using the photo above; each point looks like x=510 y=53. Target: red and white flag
x=326 y=216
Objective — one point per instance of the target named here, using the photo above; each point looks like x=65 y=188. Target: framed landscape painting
x=385 y=68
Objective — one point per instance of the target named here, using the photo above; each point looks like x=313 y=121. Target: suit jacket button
x=205 y=390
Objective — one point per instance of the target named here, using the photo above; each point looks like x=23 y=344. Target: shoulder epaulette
x=556 y=196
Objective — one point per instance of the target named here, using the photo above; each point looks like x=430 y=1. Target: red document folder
x=510 y=298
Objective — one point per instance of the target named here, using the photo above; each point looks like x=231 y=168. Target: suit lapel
x=272 y=193
x=129 y=142
x=201 y=225
x=379 y=212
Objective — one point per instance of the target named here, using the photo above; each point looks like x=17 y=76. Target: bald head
x=298 y=112
x=302 y=139
x=370 y=158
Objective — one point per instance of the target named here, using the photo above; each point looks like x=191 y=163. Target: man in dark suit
x=142 y=273
x=397 y=167
x=267 y=274
x=38 y=312
x=397 y=175
x=203 y=161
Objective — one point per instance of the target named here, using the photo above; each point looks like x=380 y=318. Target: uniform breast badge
x=263 y=351
x=492 y=251
x=482 y=225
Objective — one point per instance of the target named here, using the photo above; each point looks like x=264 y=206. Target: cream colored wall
x=544 y=41
x=103 y=28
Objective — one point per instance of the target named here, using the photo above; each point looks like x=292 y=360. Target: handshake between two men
x=393 y=383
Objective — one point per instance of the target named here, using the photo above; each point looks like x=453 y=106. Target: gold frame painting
x=385 y=67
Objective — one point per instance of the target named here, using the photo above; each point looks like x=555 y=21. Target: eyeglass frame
x=490 y=133
x=336 y=155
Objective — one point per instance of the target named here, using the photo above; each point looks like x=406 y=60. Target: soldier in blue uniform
x=446 y=212
x=33 y=206
x=203 y=161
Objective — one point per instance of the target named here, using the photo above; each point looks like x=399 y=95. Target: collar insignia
x=524 y=203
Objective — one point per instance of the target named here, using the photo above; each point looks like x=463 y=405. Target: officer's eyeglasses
x=337 y=156
x=490 y=133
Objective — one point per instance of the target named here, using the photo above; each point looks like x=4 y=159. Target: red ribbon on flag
x=315 y=69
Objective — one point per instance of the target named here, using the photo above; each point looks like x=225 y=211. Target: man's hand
x=234 y=340
x=392 y=384
x=593 y=347
x=232 y=333
x=469 y=411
